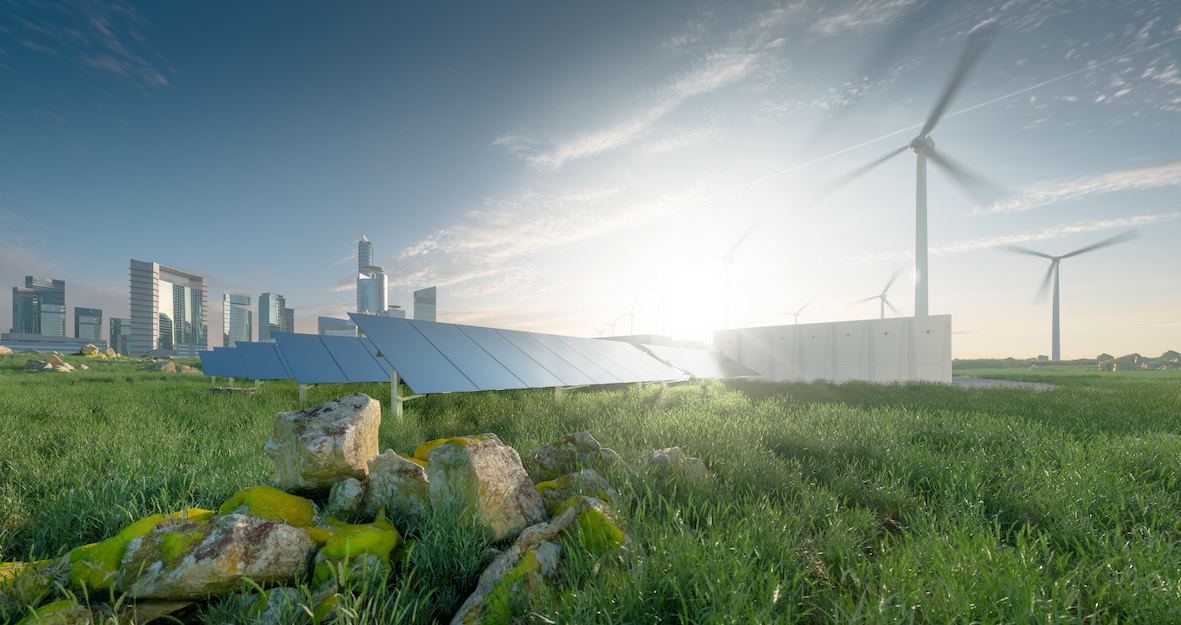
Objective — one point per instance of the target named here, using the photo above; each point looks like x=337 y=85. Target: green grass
x=909 y=503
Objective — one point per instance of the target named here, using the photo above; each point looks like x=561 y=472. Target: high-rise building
x=424 y=304
x=167 y=310
x=372 y=283
x=120 y=336
x=274 y=316
x=396 y=312
x=236 y=319
x=335 y=327
x=88 y=323
x=39 y=307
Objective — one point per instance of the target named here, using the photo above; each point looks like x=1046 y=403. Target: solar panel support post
x=231 y=382
x=639 y=386
x=213 y=380
x=257 y=383
x=303 y=388
x=396 y=400
x=560 y=391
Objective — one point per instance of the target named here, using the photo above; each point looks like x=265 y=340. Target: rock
x=569 y=454
x=87 y=350
x=31 y=578
x=64 y=612
x=346 y=495
x=314 y=448
x=53 y=359
x=196 y=559
x=354 y=551
x=168 y=367
x=30 y=351
x=268 y=502
x=149 y=611
x=84 y=367
x=5 y=350
x=397 y=484
x=585 y=482
x=109 y=353
x=231 y=390
x=36 y=365
x=96 y=565
x=484 y=476
x=63 y=368
x=187 y=369
x=671 y=462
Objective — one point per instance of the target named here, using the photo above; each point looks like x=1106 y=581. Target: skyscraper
x=236 y=319
x=39 y=307
x=167 y=310
x=274 y=316
x=120 y=336
x=424 y=304
x=88 y=323
x=372 y=283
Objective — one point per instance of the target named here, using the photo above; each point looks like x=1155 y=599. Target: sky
x=556 y=166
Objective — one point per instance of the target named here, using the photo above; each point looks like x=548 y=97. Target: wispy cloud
x=1046 y=193
x=679 y=141
x=862 y=15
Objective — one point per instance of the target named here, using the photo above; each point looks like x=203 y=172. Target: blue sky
x=551 y=165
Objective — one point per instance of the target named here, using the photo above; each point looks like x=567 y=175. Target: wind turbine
x=882 y=296
x=924 y=149
x=728 y=258
x=632 y=321
x=600 y=331
x=1053 y=273
x=796 y=314
x=612 y=324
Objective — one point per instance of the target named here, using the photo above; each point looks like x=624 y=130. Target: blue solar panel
x=355 y=362
x=372 y=349
x=580 y=362
x=263 y=362
x=526 y=369
x=309 y=359
x=652 y=368
x=542 y=355
x=476 y=364
x=209 y=363
x=635 y=371
x=231 y=362
x=621 y=373
x=423 y=367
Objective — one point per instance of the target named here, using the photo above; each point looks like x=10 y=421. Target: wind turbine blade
x=977 y=42
x=980 y=189
x=1022 y=250
x=891 y=307
x=1045 y=288
x=832 y=187
x=1119 y=238
x=804 y=306
x=862 y=301
x=892 y=279
x=753 y=225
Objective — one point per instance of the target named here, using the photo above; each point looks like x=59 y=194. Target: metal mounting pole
x=231 y=382
x=303 y=389
x=395 y=401
x=257 y=383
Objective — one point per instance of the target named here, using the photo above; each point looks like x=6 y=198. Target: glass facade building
x=331 y=326
x=424 y=304
x=274 y=316
x=372 y=283
x=120 y=336
x=39 y=307
x=167 y=310
x=236 y=319
x=88 y=323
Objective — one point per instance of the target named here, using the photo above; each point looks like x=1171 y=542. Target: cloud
x=862 y=15
x=680 y=141
x=1045 y=193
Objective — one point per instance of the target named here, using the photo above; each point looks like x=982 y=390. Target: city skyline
x=605 y=162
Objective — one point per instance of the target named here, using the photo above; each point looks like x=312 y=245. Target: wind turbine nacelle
x=919 y=144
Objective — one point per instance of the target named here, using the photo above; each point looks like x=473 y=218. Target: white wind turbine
x=796 y=314
x=1055 y=344
x=728 y=258
x=882 y=296
x=924 y=148
x=632 y=321
x=600 y=331
x=612 y=324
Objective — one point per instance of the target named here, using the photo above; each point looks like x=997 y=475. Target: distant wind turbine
x=882 y=296
x=796 y=314
x=924 y=148
x=1055 y=344
x=728 y=258
x=600 y=331
x=612 y=324
x=632 y=314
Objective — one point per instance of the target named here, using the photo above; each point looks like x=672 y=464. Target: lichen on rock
x=313 y=449
x=268 y=502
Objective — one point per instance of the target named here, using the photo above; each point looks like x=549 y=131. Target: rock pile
x=275 y=537
x=52 y=362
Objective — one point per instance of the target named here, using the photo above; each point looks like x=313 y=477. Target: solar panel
x=209 y=363
x=372 y=349
x=309 y=360
x=231 y=362
x=546 y=358
x=700 y=363
x=653 y=369
x=424 y=369
x=526 y=369
x=263 y=362
x=482 y=369
x=555 y=344
x=354 y=361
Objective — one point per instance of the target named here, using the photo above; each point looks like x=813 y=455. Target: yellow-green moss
x=268 y=502
x=548 y=484
x=419 y=461
x=325 y=607
x=45 y=614
x=344 y=542
x=26 y=577
x=174 y=544
x=423 y=449
x=599 y=533
x=94 y=565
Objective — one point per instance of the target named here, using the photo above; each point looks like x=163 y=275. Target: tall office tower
x=274 y=316
x=424 y=304
x=167 y=310
x=39 y=307
x=88 y=323
x=236 y=318
x=396 y=312
x=120 y=336
x=372 y=283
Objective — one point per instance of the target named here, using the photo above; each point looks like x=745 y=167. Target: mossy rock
x=268 y=502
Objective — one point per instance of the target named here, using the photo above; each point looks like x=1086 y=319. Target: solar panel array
x=209 y=363
x=449 y=358
x=700 y=363
x=264 y=361
x=229 y=362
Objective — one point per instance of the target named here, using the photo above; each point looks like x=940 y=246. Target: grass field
x=913 y=503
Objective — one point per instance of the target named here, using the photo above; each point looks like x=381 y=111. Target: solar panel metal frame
x=231 y=362
x=309 y=359
x=354 y=360
x=210 y=365
x=263 y=361
x=419 y=363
